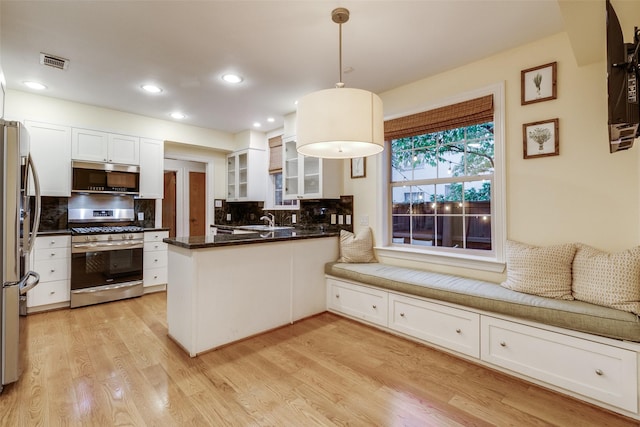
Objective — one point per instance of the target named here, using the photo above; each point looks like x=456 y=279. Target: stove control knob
x=87 y=238
x=110 y=238
x=130 y=236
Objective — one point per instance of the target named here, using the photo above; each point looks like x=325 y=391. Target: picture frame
x=358 y=167
x=541 y=139
x=539 y=84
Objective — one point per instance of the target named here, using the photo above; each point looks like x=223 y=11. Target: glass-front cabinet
x=309 y=177
x=246 y=171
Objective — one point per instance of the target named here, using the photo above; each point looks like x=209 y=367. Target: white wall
x=583 y=195
x=27 y=106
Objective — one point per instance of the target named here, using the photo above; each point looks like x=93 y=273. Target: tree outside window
x=441 y=188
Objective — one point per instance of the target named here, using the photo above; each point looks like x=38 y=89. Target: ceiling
x=283 y=49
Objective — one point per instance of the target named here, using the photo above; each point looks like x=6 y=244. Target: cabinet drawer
x=155 y=259
x=48 y=293
x=52 y=269
x=155 y=236
x=155 y=246
x=44 y=242
x=155 y=276
x=595 y=370
x=455 y=329
x=51 y=253
x=358 y=301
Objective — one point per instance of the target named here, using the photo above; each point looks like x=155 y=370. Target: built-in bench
x=487 y=296
x=584 y=350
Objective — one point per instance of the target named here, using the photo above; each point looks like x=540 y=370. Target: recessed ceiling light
x=271 y=119
x=151 y=88
x=35 y=85
x=178 y=115
x=232 y=78
x=256 y=125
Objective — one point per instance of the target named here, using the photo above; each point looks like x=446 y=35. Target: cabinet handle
x=53 y=242
x=599 y=372
x=155 y=277
x=53 y=270
x=374 y=306
x=503 y=344
x=53 y=254
x=155 y=260
x=401 y=314
x=458 y=331
x=337 y=295
x=52 y=292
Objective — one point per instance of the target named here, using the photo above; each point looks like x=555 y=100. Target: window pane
x=479 y=232
x=450 y=231
x=423 y=232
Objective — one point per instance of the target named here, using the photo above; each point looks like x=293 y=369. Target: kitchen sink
x=262 y=227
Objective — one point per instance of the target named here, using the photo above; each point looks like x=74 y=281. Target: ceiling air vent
x=54 y=61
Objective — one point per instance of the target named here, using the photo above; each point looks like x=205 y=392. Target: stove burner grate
x=107 y=229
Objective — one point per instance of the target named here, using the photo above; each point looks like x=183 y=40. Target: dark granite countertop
x=156 y=229
x=54 y=232
x=221 y=240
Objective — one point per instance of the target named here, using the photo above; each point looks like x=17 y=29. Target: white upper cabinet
x=309 y=177
x=51 y=153
x=96 y=146
x=151 y=169
x=246 y=176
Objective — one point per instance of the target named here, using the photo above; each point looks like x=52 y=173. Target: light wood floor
x=112 y=364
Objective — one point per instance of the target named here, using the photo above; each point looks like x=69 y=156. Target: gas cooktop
x=111 y=229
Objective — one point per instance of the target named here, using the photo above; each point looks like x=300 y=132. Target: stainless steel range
x=106 y=249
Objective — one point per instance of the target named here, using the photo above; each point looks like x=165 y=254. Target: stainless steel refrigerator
x=20 y=215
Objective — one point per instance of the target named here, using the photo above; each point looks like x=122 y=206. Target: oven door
x=99 y=268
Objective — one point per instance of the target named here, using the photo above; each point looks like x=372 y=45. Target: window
x=275 y=199
x=445 y=182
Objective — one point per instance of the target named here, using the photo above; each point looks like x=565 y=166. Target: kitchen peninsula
x=227 y=287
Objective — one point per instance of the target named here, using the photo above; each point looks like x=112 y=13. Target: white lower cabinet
x=358 y=301
x=51 y=259
x=599 y=371
x=155 y=258
x=448 y=327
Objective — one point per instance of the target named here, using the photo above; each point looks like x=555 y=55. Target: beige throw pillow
x=356 y=248
x=612 y=280
x=543 y=271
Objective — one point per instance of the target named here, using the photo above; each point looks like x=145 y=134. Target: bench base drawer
x=357 y=301
x=602 y=372
x=449 y=327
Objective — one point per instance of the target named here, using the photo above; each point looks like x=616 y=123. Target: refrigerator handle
x=36 y=221
x=24 y=284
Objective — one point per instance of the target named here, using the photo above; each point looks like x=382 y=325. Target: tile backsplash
x=312 y=213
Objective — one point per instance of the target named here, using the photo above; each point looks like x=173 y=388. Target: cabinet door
x=243 y=176
x=51 y=153
x=290 y=170
x=90 y=145
x=124 y=149
x=310 y=177
x=151 y=169
x=232 y=193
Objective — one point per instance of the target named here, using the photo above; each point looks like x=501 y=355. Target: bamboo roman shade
x=275 y=154
x=467 y=113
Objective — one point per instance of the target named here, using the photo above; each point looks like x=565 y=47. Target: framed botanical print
x=539 y=83
x=541 y=139
x=358 y=167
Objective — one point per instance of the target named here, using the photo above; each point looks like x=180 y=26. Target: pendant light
x=340 y=123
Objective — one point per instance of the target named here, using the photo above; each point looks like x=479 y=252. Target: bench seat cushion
x=491 y=297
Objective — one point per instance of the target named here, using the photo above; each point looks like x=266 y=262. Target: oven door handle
x=92 y=247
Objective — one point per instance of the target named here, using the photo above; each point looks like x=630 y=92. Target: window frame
x=492 y=260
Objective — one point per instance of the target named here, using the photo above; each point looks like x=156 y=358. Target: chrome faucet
x=268 y=217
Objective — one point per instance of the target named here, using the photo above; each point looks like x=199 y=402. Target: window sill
x=449 y=259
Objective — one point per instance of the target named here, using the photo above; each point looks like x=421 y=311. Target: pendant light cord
x=340 y=83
